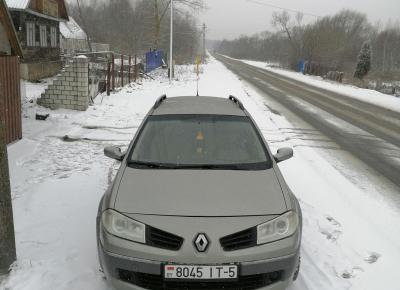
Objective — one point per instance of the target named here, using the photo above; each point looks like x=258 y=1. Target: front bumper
x=116 y=268
x=120 y=285
x=142 y=265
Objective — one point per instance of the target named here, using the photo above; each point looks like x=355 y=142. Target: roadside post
x=113 y=72
x=135 y=76
x=129 y=68
x=122 y=70
x=108 y=77
x=198 y=62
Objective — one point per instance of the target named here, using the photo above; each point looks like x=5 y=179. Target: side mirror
x=114 y=152
x=283 y=154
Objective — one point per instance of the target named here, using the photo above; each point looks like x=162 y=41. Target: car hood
x=202 y=193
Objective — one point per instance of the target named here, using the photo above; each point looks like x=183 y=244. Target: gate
x=10 y=98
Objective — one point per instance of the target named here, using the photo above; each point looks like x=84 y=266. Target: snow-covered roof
x=71 y=30
x=17 y=4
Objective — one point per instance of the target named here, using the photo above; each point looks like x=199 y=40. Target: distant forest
x=137 y=26
x=332 y=41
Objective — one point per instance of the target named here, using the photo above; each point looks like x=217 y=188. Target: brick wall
x=70 y=89
x=40 y=70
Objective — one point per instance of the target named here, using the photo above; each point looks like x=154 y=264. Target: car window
x=199 y=141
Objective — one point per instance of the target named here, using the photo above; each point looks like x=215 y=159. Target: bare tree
x=329 y=43
x=160 y=11
x=385 y=44
x=84 y=24
x=128 y=26
x=294 y=33
x=7 y=236
x=281 y=20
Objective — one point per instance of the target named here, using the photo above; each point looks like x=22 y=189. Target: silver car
x=199 y=203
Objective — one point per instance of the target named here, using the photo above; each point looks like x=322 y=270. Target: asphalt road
x=369 y=132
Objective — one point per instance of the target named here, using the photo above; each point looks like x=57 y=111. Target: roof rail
x=159 y=101
x=236 y=101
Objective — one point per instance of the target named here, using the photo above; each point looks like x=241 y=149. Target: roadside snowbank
x=57 y=185
x=366 y=95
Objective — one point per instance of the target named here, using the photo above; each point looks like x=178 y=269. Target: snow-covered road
x=370 y=96
x=351 y=238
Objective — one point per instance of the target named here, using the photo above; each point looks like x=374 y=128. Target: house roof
x=29 y=7
x=72 y=30
x=18 y=4
x=6 y=21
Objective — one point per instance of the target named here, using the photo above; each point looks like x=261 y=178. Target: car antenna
x=197 y=94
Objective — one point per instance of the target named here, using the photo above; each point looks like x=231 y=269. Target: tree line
x=137 y=26
x=332 y=41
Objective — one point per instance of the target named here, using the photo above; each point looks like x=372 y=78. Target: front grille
x=157 y=282
x=240 y=240
x=160 y=239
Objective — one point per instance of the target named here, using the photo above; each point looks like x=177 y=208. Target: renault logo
x=201 y=243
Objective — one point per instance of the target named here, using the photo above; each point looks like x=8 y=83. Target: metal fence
x=10 y=98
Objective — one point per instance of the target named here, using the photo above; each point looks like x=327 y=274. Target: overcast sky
x=231 y=18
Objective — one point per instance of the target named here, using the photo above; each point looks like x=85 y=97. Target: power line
x=282 y=8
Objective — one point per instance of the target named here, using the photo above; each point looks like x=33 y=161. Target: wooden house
x=38 y=29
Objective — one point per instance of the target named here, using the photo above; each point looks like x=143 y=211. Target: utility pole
x=204 y=43
x=171 y=64
x=7 y=235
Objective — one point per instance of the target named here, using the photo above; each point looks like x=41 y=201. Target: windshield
x=199 y=141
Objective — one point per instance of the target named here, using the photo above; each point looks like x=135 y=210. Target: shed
x=73 y=38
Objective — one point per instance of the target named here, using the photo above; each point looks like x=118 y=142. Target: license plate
x=204 y=272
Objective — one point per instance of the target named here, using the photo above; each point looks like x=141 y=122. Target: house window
x=30 y=34
x=43 y=35
x=53 y=36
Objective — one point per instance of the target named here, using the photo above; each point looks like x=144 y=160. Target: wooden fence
x=10 y=98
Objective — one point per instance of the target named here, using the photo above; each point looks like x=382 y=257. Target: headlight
x=121 y=226
x=282 y=227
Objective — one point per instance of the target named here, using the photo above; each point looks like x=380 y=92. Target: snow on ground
x=350 y=241
x=29 y=93
x=366 y=95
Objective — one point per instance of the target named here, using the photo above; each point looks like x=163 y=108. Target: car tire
x=296 y=273
x=101 y=268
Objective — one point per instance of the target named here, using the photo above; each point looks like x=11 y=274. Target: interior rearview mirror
x=283 y=154
x=114 y=152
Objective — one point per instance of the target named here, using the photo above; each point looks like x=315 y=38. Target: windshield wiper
x=151 y=165
x=214 y=167
x=154 y=165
